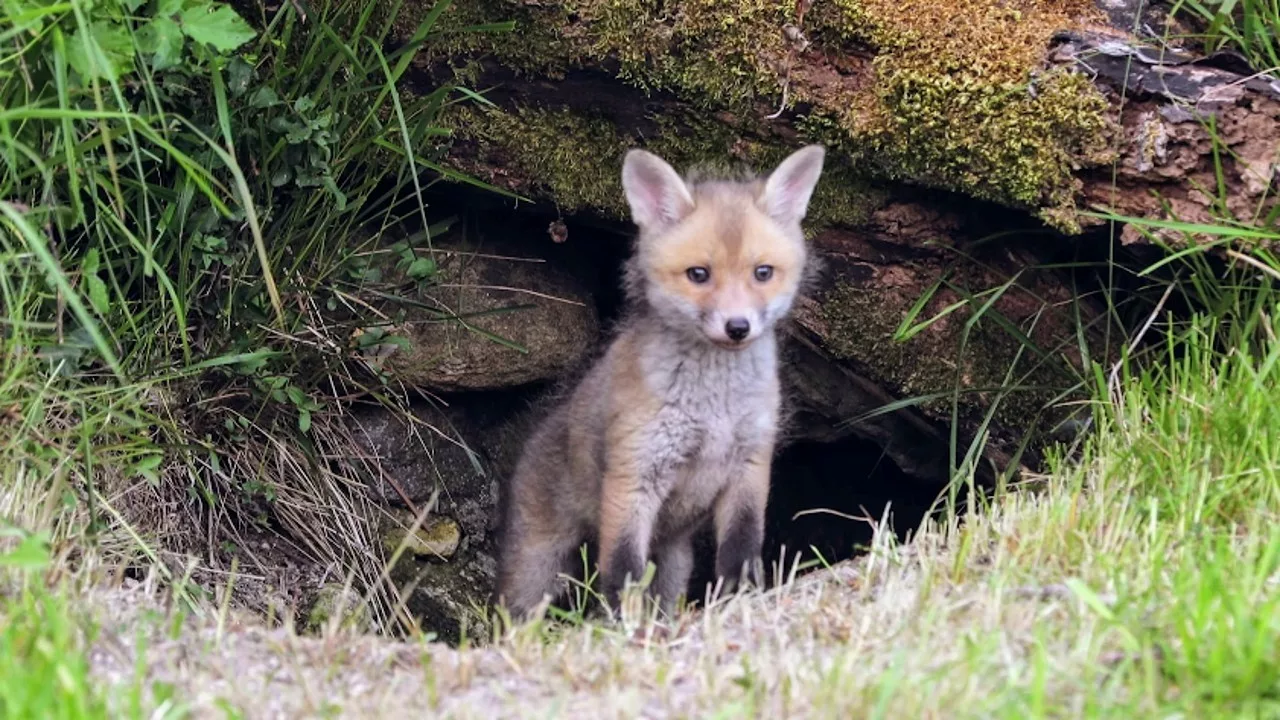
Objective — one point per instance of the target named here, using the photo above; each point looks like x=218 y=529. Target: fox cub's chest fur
x=675 y=425
x=716 y=410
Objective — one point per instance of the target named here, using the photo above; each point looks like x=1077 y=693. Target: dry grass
x=1016 y=614
x=1141 y=579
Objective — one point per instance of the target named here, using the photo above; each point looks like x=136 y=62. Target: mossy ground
x=953 y=97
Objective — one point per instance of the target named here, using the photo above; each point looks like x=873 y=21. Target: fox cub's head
x=721 y=258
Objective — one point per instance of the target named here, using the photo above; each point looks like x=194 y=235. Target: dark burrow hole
x=825 y=502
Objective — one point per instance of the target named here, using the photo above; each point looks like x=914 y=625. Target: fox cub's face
x=723 y=259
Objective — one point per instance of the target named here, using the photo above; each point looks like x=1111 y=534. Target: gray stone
x=416 y=455
x=522 y=320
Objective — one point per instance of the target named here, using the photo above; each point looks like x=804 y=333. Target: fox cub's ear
x=657 y=195
x=789 y=187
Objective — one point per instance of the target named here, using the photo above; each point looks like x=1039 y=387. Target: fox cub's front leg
x=627 y=514
x=739 y=522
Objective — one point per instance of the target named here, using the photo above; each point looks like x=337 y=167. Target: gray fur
x=716 y=410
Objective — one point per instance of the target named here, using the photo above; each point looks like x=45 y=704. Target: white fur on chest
x=717 y=408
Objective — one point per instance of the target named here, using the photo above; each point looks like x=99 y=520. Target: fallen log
x=948 y=122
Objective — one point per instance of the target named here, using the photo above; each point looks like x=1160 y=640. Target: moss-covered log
x=1029 y=103
x=939 y=114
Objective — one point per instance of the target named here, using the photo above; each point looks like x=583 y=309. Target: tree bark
x=1196 y=133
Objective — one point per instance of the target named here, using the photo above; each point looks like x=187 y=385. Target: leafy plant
x=176 y=187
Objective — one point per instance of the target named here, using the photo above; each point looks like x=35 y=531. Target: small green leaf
x=171 y=8
x=239 y=73
x=162 y=39
x=148 y=463
x=264 y=97
x=304 y=420
x=299 y=134
x=421 y=268
x=98 y=294
x=31 y=554
x=339 y=197
x=222 y=27
x=296 y=395
x=106 y=51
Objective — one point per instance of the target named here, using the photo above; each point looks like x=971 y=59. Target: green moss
x=995 y=142
x=330 y=601
x=538 y=46
x=569 y=158
x=861 y=324
x=958 y=104
x=711 y=51
x=951 y=99
x=577 y=160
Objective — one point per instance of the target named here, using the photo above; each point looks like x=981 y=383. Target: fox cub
x=675 y=424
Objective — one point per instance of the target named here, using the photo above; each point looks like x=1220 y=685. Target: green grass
x=208 y=210
x=44 y=637
x=1250 y=27
x=1172 y=515
x=43 y=669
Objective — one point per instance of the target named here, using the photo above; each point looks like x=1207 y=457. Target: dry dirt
x=704 y=665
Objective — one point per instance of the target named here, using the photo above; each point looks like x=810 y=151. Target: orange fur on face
x=729 y=235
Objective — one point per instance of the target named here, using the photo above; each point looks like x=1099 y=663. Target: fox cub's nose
x=737 y=328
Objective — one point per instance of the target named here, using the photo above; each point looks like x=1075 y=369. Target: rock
x=436 y=539
x=334 y=598
x=416 y=456
x=461 y=450
x=446 y=596
x=522 y=320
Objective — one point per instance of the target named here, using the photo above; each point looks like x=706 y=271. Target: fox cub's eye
x=698 y=275
x=764 y=272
